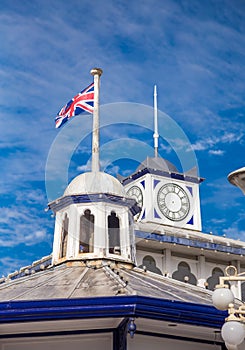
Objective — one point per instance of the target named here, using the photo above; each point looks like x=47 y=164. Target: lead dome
x=92 y=182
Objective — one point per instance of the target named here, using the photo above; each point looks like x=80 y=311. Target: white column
x=201 y=272
x=124 y=234
x=167 y=266
x=57 y=237
x=149 y=199
x=100 y=230
x=96 y=72
x=72 y=231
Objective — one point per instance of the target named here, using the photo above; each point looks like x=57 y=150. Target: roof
x=99 y=279
x=94 y=182
x=162 y=167
x=157 y=163
x=102 y=289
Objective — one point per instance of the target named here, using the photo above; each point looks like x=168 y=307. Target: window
x=149 y=263
x=184 y=274
x=86 y=239
x=64 y=236
x=114 y=234
x=214 y=279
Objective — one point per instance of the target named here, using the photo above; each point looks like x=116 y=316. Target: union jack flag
x=82 y=102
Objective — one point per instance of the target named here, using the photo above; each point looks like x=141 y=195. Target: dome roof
x=98 y=182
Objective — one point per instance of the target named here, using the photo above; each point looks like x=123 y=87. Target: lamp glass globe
x=222 y=297
x=233 y=332
x=230 y=346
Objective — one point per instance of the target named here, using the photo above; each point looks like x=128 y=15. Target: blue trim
x=177 y=176
x=191 y=221
x=155 y=182
x=65 y=201
x=190 y=189
x=156 y=215
x=190 y=242
x=143 y=183
x=119 y=306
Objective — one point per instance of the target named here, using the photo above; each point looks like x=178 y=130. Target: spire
x=155 y=135
x=96 y=72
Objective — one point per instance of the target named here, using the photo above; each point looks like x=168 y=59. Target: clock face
x=173 y=202
x=136 y=193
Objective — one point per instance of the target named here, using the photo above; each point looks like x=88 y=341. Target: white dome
x=95 y=183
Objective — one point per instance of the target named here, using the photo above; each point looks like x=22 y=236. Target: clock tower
x=165 y=195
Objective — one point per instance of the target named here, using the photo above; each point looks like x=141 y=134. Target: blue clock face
x=173 y=202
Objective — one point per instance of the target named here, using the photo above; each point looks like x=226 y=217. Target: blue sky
x=193 y=50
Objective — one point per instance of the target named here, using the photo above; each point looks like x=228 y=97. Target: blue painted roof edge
x=179 y=176
x=118 y=306
x=65 y=201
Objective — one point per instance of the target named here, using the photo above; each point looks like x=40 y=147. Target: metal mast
x=155 y=135
x=96 y=72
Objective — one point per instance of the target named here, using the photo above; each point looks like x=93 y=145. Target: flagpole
x=96 y=72
x=155 y=135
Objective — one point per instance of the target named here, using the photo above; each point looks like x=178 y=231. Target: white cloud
x=165 y=148
x=220 y=195
x=216 y=221
x=216 y=152
x=233 y=232
x=19 y=224
x=84 y=168
x=209 y=142
x=9 y=264
x=31 y=196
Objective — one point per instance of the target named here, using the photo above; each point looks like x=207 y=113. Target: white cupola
x=94 y=219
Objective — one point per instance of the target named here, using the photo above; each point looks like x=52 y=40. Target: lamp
x=237 y=178
x=233 y=330
x=230 y=347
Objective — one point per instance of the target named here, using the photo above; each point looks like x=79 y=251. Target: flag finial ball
x=95 y=71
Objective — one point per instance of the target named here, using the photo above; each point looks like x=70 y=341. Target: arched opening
x=64 y=236
x=214 y=279
x=86 y=236
x=149 y=263
x=114 y=234
x=184 y=274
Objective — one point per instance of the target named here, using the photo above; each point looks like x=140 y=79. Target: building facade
x=130 y=269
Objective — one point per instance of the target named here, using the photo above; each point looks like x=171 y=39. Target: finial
x=95 y=71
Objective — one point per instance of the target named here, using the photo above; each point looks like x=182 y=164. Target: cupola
x=94 y=220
